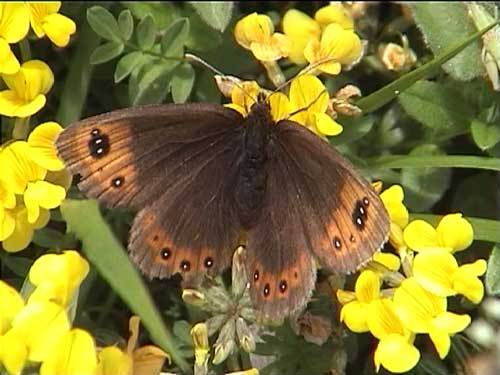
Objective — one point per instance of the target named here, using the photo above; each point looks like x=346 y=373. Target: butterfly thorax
x=252 y=174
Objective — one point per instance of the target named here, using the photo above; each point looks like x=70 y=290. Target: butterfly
x=201 y=174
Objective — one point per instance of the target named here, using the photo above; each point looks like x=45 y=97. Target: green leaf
x=174 y=39
x=18 y=265
x=52 y=239
x=150 y=84
x=127 y=64
x=435 y=106
x=492 y=278
x=446 y=161
x=424 y=186
x=146 y=33
x=163 y=13
x=201 y=36
x=103 y=23
x=126 y=24
x=77 y=80
x=485 y=135
x=216 y=14
x=443 y=25
x=182 y=82
x=106 y=52
x=105 y=252
x=384 y=95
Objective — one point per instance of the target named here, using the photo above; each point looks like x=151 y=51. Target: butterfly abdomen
x=252 y=171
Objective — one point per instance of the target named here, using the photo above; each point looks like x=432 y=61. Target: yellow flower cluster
x=38 y=329
x=32 y=178
x=307 y=104
x=32 y=181
x=326 y=41
x=416 y=302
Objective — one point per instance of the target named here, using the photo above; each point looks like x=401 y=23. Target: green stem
x=24 y=45
x=484 y=229
x=21 y=128
x=445 y=161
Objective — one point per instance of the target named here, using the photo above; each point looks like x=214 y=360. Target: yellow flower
x=366 y=291
x=398 y=214
x=13 y=352
x=41 y=324
x=309 y=99
x=73 y=353
x=42 y=195
x=46 y=21
x=391 y=261
x=424 y=312
x=14 y=25
x=27 y=89
x=42 y=146
x=300 y=29
x=147 y=360
x=255 y=32
x=23 y=232
x=7 y=203
x=199 y=333
x=453 y=233
x=334 y=13
x=438 y=272
x=244 y=96
x=385 y=325
x=337 y=46
x=12 y=303
x=57 y=277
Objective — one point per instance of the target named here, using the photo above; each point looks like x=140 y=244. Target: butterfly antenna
x=308 y=106
x=193 y=58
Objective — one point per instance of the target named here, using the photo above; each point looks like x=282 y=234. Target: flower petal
x=420 y=235
x=382 y=319
x=280 y=106
x=455 y=232
x=441 y=341
x=367 y=287
x=308 y=94
x=7 y=223
x=73 y=353
x=466 y=282
x=22 y=234
x=354 y=316
x=406 y=358
x=42 y=194
x=451 y=323
x=42 y=146
x=39 y=11
x=13 y=352
x=326 y=125
x=58 y=28
x=389 y=260
x=42 y=324
x=8 y=61
x=14 y=21
x=434 y=269
x=12 y=303
x=299 y=28
x=393 y=202
x=112 y=361
x=334 y=13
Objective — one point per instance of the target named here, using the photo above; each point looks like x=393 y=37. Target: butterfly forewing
x=176 y=164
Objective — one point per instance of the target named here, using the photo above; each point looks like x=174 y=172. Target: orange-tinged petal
x=113 y=361
x=245 y=95
x=42 y=324
x=58 y=28
x=73 y=353
x=148 y=359
x=455 y=232
x=396 y=354
x=14 y=21
x=367 y=286
x=8 y=61
x=420 y=235
x=42 y=146
x=300 y=29
x=334 y=13
x=434 y=270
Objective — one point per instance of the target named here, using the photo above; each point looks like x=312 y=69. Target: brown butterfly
x=202 y=174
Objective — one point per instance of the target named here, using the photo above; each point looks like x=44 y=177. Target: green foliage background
x=435 y=131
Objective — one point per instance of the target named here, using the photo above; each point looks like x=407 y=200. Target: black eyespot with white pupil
x=256 y=275
x=165 y=253
x=283 y=286
x=267 y=290
x=337 y=243
x=117 y=182
x=209 y=262
x=185 y=266
x=360 y=214
x=98 y=144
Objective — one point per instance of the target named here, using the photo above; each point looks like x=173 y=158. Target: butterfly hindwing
x=316 y=206
x=175 y=164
